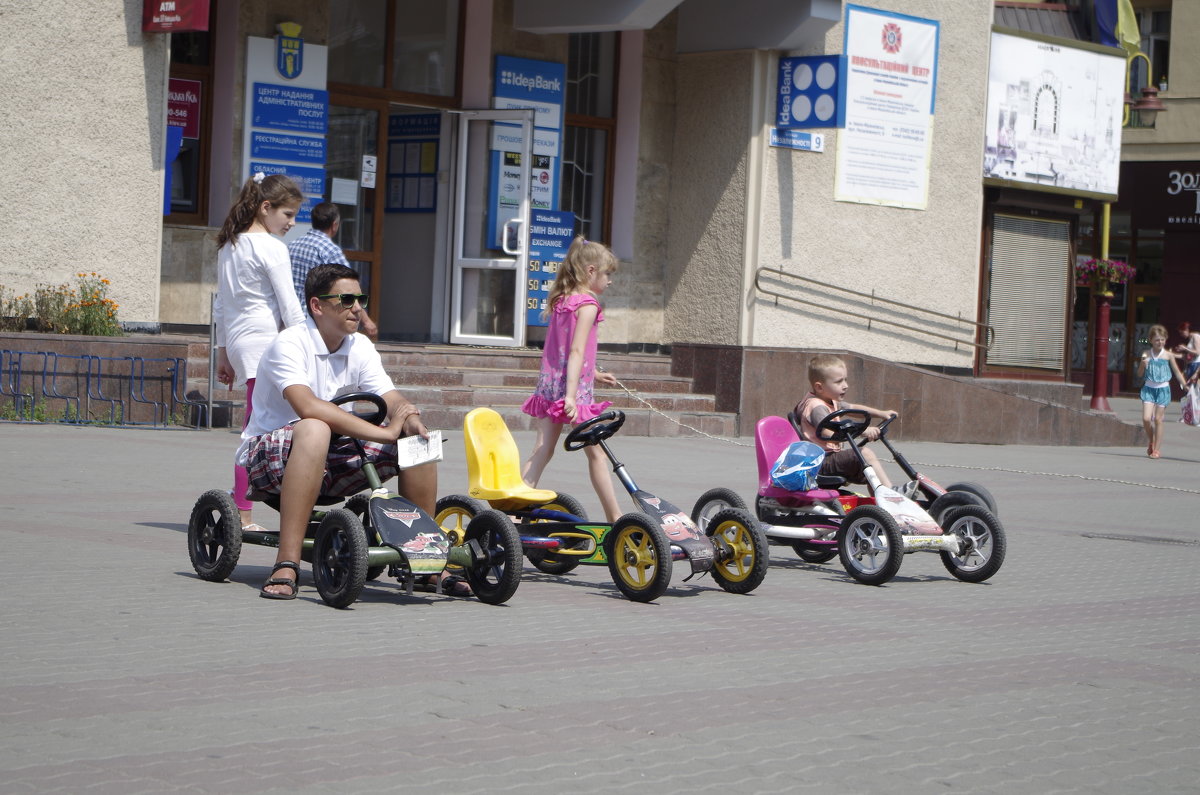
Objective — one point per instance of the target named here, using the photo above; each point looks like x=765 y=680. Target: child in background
x=255 y=298
x=1189 y=350
x=827 y=375
x=1157 y=364
x=564 y=390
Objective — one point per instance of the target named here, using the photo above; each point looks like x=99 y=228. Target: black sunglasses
x=348 y=299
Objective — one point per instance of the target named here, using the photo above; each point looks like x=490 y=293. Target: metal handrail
x=989 y=332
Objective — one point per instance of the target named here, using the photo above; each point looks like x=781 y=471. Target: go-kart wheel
x=594 y=431
x=359 y=505
x=713 y=502
x=740 y=556
x=639 y=557
x=983 y=543
x=870 y=545
x=548 y=562
x=495 y=580
x=340 y=558
x=810 y=553
x=214 y=536
x=942 y=506
x=982 y=493
x=453 y=512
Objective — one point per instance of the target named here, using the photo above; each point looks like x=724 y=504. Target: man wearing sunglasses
x=286 y=445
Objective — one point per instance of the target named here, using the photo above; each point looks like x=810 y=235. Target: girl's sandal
x=294 y=584
x=1154 y=454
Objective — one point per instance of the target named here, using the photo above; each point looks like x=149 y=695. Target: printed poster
x=891 y=76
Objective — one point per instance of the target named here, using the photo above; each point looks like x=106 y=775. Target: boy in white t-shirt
x=286 y=445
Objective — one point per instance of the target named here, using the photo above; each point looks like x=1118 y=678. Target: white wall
x=81 y=131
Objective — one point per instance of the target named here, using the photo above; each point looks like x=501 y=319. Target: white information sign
x=891 y=76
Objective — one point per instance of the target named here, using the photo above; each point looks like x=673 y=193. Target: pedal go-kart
x=871 y=534
x=352 y=544
x=638 y=548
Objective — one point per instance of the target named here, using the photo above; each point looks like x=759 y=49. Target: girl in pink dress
x=565 y=385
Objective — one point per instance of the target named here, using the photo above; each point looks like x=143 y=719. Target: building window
x=1155 y=28
x=419 y=60
x=189 y=99
x=588 y=135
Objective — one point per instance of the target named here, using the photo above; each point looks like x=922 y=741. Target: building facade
x=667 y=150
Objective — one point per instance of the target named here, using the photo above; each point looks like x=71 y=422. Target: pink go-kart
x=870 y=533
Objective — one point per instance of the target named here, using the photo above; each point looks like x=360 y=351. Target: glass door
x=353 y=148
x=491 y=227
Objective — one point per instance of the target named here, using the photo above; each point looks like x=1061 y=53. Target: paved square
x=1075 y=669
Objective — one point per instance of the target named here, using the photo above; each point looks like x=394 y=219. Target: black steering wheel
x=844 y=424
x=594 y=430
x=375 y=417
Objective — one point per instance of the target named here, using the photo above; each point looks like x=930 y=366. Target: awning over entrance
x=704 y=25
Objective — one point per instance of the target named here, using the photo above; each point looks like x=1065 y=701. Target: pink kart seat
x=772 y=435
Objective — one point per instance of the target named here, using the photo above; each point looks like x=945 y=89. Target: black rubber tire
x=359 y=505
x=639 y=557
x=979 y=491
x=988 y=543
x=858 y=538
x=712 y=502
x=811 y=554
x=951 y=500
x=215 y=536
x=495 y=581
x=339 y=558
x=736 y=531
x=548 y=562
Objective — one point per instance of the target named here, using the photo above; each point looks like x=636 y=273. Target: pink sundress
x=547 y=400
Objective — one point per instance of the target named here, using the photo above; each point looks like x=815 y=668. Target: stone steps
x=448 y=381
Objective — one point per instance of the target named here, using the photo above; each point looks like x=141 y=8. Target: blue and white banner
x=540 y=85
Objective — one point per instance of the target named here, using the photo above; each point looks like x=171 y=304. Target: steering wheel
x=594 y=430
x=883 y=426
x=845 y=424
x=375 y=417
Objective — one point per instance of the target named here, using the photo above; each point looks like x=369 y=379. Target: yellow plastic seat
x=494 y=464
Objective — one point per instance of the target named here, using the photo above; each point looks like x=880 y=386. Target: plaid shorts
x=343 y=467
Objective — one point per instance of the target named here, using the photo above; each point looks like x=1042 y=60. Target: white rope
x=1158 y=486
x=696 y=431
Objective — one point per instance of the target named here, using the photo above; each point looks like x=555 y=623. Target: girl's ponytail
x=276 y=189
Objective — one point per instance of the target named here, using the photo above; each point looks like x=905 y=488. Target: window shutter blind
x=1028 y=290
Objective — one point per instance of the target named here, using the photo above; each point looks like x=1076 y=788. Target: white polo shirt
x=299 y=356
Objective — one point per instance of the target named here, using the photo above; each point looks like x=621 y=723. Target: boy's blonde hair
x=820 y=366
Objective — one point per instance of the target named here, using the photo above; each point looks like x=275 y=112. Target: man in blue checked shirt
x=316 y=247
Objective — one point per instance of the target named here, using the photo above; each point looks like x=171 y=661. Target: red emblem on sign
x=891 y=37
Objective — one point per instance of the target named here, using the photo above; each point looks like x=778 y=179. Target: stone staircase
x=448 y=381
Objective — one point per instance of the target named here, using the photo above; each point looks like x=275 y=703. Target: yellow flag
x=1127 y=27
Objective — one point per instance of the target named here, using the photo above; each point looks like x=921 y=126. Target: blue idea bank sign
x=540 y=85
x=811 y=92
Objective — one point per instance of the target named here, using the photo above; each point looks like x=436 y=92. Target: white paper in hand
x=413 y=451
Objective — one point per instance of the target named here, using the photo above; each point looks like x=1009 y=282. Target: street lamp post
x=1103 y=297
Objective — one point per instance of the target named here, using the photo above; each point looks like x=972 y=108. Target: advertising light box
x=1054 y=112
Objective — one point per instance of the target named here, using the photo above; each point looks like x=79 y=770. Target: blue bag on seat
x=797 y=466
